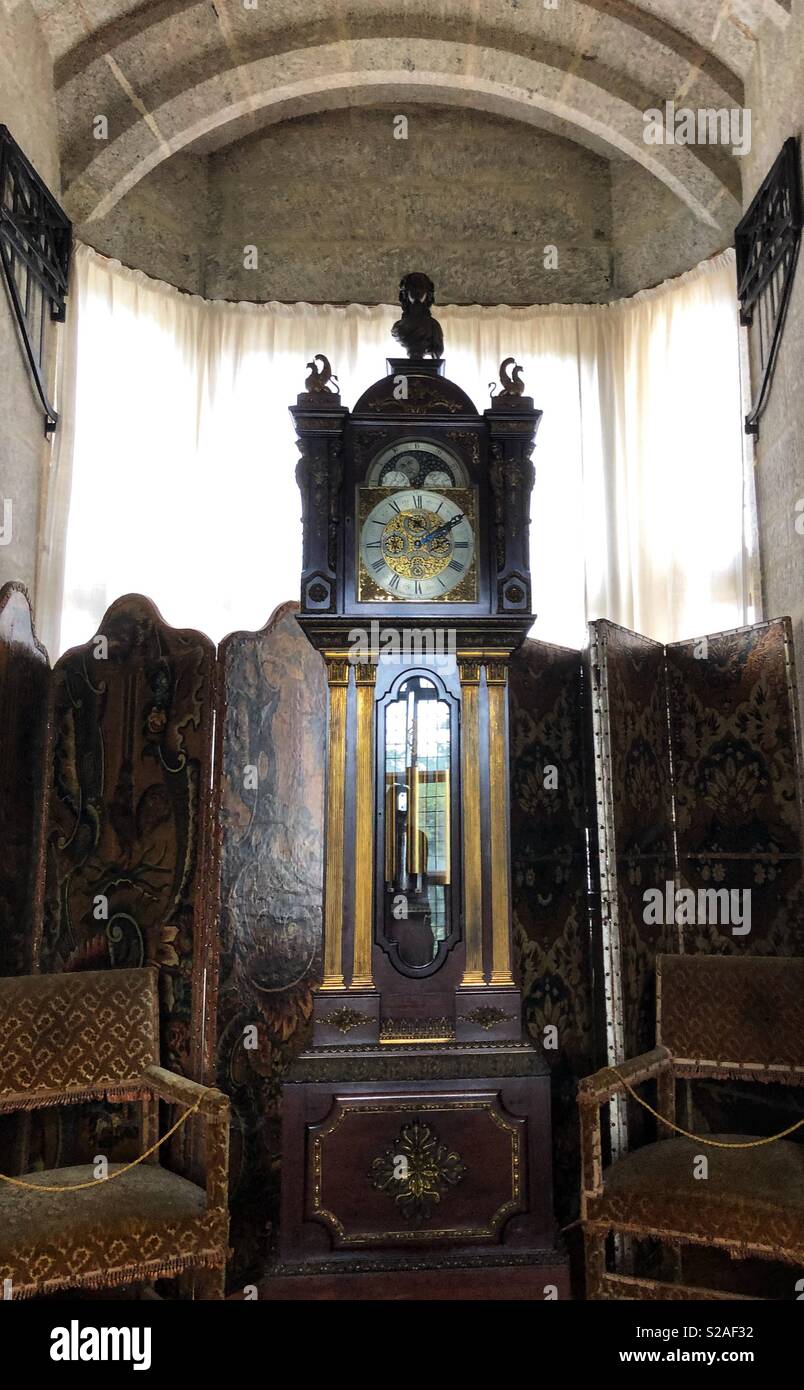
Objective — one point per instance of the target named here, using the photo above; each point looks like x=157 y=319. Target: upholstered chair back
x=737 y=1015
x=89 y=1032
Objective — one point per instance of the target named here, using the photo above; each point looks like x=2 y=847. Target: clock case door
x=410 y=992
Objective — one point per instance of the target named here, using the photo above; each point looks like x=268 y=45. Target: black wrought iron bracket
x=35 y=245
x=767 y=242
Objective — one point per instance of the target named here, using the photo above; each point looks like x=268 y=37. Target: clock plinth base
x=362 y=1127
x=484 y=1277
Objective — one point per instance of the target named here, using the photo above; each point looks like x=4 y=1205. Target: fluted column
x=470 y=788
x=338 y=680
x=365 y=677
x=496 y=681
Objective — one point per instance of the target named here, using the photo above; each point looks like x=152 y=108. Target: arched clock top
x=415 y=388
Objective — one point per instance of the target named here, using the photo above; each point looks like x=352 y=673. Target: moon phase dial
x=417 y=544
x=416 y=463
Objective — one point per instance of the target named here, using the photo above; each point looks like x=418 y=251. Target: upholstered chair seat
x=752 y=1198
x=95 y=1035
x=718 y=1018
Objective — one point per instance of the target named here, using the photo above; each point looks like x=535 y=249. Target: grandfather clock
x=416 y=1129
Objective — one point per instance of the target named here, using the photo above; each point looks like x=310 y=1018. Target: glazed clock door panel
x=417 y=877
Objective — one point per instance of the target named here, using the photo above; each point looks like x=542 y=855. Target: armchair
x=717 y=1017
x=69 y=1038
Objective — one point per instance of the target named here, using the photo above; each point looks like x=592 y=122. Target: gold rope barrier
x=96 y=1182
x=699 y=1139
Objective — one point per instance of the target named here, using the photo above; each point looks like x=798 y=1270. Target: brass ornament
x=416 y=1171
x=486 y=1017
x=344 y=1019
x=424 y=397
x=421 y=1030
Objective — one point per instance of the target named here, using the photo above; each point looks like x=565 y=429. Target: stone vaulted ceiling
x=176 y=76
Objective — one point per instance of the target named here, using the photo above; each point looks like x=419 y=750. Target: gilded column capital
x=469 y=669
x=366 y=673
x=496 y=673
x=337 y=670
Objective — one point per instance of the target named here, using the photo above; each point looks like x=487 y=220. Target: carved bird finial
x=320 y=380
x=511 y=382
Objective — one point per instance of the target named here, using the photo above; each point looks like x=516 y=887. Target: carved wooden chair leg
x=210 y=1284
x=671 y=1265
x=595 y=1247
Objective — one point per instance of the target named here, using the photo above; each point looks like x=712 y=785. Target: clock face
x=418 y=543
x=416 y=463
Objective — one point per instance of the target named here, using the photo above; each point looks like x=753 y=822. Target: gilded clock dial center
x=417 y=544
x=411 y=550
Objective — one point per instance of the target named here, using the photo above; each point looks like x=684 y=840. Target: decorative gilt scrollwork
x=497 y=475
x=416 y=1030
x=344 y=1019
x=416 y=1171
x=486 y=1017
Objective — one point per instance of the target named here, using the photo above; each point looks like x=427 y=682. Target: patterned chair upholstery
x=718 y=1017
x=75 y=1037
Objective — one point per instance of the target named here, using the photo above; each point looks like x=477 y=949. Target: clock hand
x=438 y=532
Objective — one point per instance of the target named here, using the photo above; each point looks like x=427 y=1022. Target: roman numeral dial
x=418 y=544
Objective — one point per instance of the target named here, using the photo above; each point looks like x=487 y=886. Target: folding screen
x=272 y=734
x=698 y=786
x=737 y=782
x=632 y=767
x=633 y=804
x=129 y=852
x=738 y=786
x=635 y=824
x=24 y=693
x=24 y=690
x=550 y=891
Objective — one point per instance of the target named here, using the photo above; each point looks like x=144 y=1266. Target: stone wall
x=335 y=206
x=775 y=96
x=27 y=107
x=161 y=226
x=655 y=236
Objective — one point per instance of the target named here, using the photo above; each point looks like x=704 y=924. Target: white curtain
x=173 y=475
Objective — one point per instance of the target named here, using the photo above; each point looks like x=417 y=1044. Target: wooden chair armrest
x=605 y=1084
x=214 y=1109
x=594 y=1091
x=181 y=1090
